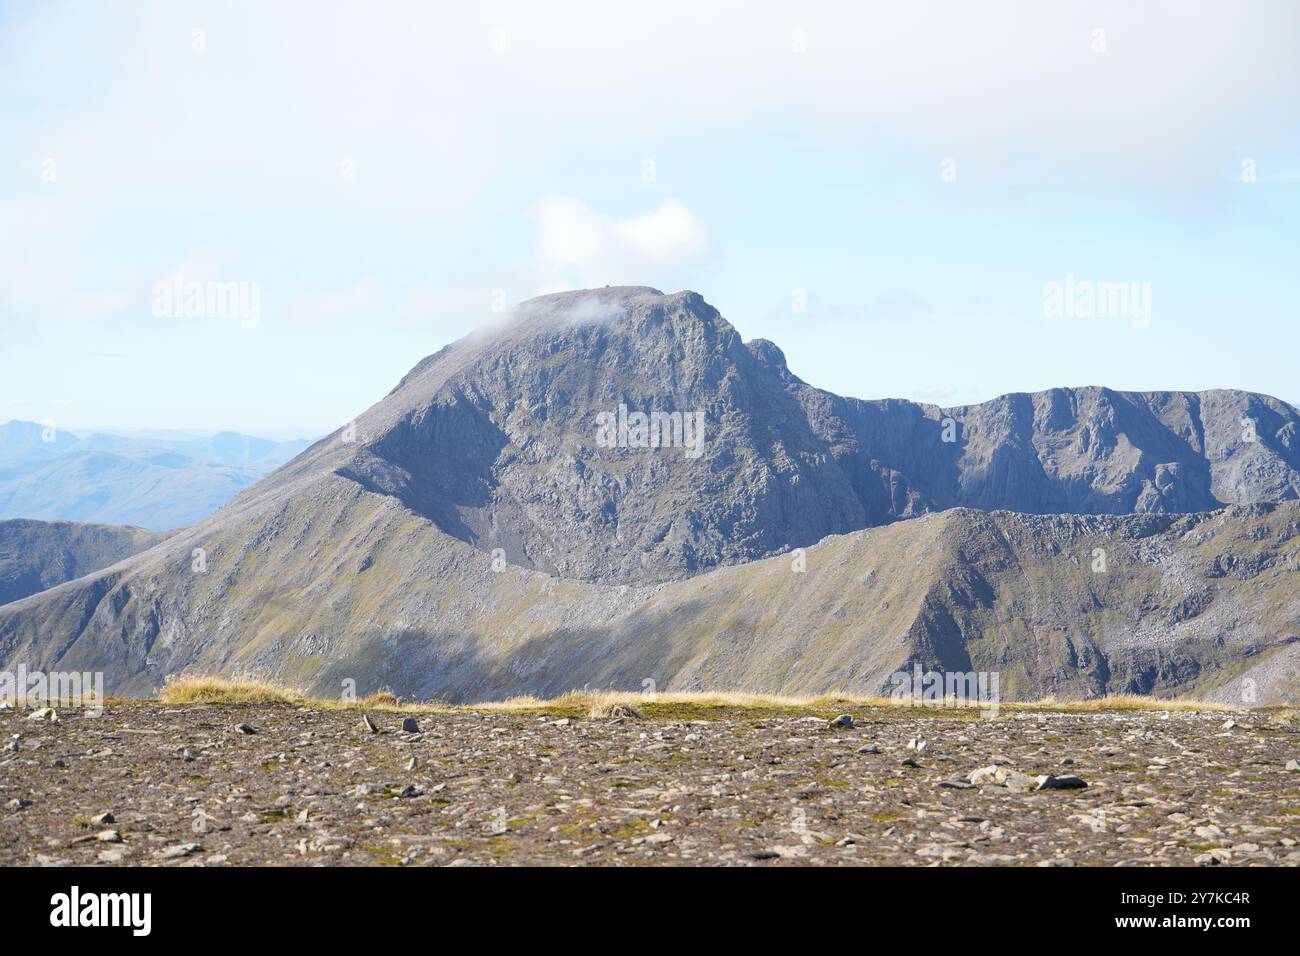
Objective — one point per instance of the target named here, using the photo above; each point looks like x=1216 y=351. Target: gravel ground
x=185 y=786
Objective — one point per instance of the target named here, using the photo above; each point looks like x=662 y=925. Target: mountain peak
x=610 y=293
x=767 y=352
x=608 y=305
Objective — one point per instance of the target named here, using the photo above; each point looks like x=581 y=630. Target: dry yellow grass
x=190 y=689
x=212 y=689
x=205 y=689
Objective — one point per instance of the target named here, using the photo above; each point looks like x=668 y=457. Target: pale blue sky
x=794 y=147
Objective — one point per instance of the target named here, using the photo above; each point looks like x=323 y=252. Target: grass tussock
x=606 y=709
x=190 y=689
x=608 y=705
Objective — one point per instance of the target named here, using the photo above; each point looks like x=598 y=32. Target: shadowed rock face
x=35 y=555
x=482 y=532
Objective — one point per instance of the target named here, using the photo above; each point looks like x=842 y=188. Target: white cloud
x=37 y=263
x=1135 y=89
x=430 y=113
x=575 y=240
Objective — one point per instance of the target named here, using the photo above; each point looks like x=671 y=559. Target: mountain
x=493 y=526
x=495 y=439
x=159 y=484
x=25 y=445
x=35 y=555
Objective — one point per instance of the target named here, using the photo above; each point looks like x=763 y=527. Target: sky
x=891 y=192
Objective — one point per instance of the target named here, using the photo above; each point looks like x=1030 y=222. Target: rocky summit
x=613 y=488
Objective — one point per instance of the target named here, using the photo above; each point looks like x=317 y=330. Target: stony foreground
x=281 y=785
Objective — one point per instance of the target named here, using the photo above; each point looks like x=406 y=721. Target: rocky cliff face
x=503 y=522
x=1075 y=451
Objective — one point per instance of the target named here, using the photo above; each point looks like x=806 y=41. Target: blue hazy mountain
x=155 y=483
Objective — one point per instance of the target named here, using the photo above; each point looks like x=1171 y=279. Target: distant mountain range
x=53 y=475
x=505 y=521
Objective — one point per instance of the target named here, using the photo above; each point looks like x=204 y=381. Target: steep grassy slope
x=361 y=589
